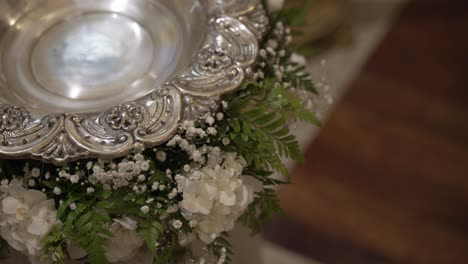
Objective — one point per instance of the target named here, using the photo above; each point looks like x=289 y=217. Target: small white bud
x=177 y=224
x=57 y=191
x=145 y=209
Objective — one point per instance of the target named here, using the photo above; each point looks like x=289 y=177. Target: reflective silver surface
x=84 y=56
x=96 y=78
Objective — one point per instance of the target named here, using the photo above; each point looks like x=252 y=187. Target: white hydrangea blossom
x=26 y=218
x=218 y=197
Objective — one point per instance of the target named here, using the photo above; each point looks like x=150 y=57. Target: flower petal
x=10 y=205
x=33 y=197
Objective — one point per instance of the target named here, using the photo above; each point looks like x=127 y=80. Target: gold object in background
x=323 y=19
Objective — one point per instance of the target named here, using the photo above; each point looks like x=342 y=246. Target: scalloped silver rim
x=152 y=120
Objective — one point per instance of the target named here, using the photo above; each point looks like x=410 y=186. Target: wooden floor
x=387 y=180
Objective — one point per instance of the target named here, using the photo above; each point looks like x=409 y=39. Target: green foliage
x=295 y=16
x=261 y=211
x=168 y=249
x=54 y=245
x=290 y=107
x=221 y=246
x=259 y=125
x=90 y=230
x=150 y=231
x=86 y=226
x=298 y=78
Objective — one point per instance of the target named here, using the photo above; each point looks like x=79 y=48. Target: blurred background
x=386 y=180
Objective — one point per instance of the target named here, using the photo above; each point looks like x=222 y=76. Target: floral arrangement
x=157 y=205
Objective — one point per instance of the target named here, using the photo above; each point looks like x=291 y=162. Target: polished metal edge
x=220 y=66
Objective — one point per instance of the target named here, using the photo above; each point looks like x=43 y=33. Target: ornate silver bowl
x=96 y=78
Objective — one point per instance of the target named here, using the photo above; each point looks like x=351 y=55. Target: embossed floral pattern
x=214 y=59
x=12 y=118
x=126 y=116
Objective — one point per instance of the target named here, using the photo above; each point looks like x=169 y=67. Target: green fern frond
x=91 y=233
x=265 y=206
x=222 y=244
x=150 y=231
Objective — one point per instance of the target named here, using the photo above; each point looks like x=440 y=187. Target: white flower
x=219 y=197
x=4 y=186
x=275 y=5
x=271 y=51
x=145 y=209
x=219 y=116
x=57 y=191
x=90 y=190
x=198 y=197
x=273 y=43
x=212 y=131
x=155 y=186
x=196 y=175
x=73 y=206
x=35 y=172
x=233 y=162
x=180 y=180
x=138 y=156
x=209 y=120
x=226 y=141
x=31 y=183
x=281 y=53
x=145 y=166
x=299 y=59
x=26 y=218
x=161 y=156
x=125 y=243
x=177 y=224
x=141 y=177
x=225 y=104
x=75 y=178
x=96 y=169
x=197 y=156
x=172 y=194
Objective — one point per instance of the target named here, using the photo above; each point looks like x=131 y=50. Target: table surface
x=339 y=66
